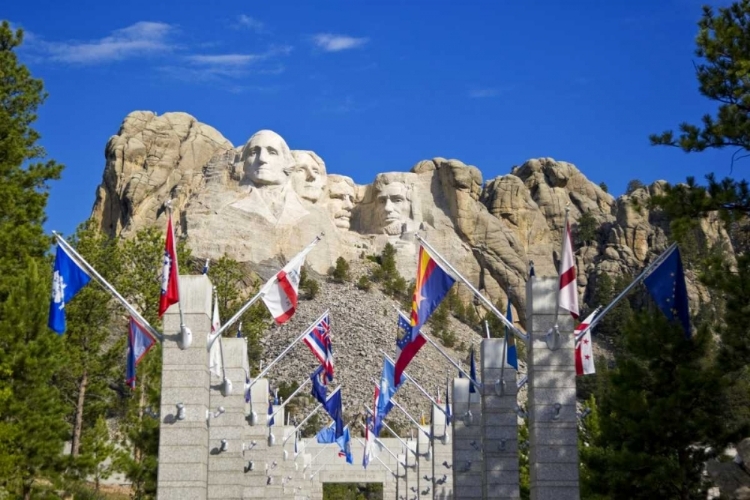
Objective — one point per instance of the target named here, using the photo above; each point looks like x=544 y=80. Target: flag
x=68 y=279
x=247 y=388
x=239 y=330
x=296 y=446
x=666 y=284
x=319 y=342
x=326 y=435
x=319 y=391
x=345 y=445
x=510 y=340
x=369 y=442
x=431 y=286
x=214 y=354
x=568 y=283
x=422 y=421
x=169 y=293
x=280 y=293
x=205 y=267
x=140 y=341
x=271 y=419
x=447 y=405
x=385 y=392
x=472 y=372
x=584 y=348
x=334 y=408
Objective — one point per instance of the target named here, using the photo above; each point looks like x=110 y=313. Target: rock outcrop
x=261 y=202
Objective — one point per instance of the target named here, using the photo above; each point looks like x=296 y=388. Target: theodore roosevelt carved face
x=341 y=193
x=266 y=159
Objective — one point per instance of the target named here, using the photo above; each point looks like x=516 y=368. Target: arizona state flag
x=431 y=287
x=169 y=294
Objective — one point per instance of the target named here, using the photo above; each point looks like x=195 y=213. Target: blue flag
x=447 y=406
x=335 y=410
x=386 y=390
x=510 y=340
x=345 y=446
x=140 y=341
x=239 y=330
x=67 y=280
x=270 y=410
x=326 y=435
x=666 y=284
x=319 y=391
x=205 y=267
x=472 y=373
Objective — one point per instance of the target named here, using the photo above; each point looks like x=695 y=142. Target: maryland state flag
x=432 y=285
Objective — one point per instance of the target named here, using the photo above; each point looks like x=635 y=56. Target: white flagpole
x=289 y=347
x=377 y=457
x=382 y=444
x=395 y=403
x=61 y=241
x=308 y=417
x=421 y=389
x=249 y=303
x=444 y=354
x=394 y=433
x=282 y=405
x=489 y=305
x=644 y=274
x=236 y=316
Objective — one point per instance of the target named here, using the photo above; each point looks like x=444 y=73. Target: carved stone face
x=341 y=194
x=308 y=176
x=393 y=207
x=266 y=157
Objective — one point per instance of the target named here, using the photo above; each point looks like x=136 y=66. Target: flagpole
x=489 y=305
x=560 y=271
x=410 y=379
x=289 y=398
x=404 y=411
x=644 y=274
x=377 y=457
x=321 y=451
x=61 y=241
x=289 y=347
x=308 y=417
x=185 y=333
x=236 y=316
x=382 y=444
x=393 y=432
x=522 y=381
x=505 y=358
x=443 y=353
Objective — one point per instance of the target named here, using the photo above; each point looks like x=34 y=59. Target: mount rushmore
x=261 y=202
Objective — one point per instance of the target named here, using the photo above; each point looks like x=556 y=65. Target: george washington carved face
x=267 y=159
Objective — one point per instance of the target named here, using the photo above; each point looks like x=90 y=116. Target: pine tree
x=32 y=414
x=658 y=414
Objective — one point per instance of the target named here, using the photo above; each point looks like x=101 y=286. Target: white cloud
x=136 y=40
x=336 y=43
x=251 y=23
x=479 y=93
x=225 y=59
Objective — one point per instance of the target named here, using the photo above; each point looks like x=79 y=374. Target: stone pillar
x=183 y=444
x=412 y=471
x=426 y=486
x=403 y=472
x=499 y=424
x=467 y=442
x=553 y=426
x=442 y=456
x=255 y=438
x=226 y=469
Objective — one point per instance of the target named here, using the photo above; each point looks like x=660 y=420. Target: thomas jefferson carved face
x=341 y=202
x=308 y=175
x=393 y=206
x=266 y=158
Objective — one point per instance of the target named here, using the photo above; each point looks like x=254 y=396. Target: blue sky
x=375 y=86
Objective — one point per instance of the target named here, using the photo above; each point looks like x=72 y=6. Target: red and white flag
x=584 y=348
x=280 y=293
x=215 y=365
x=169 y=293
x=568 y=283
